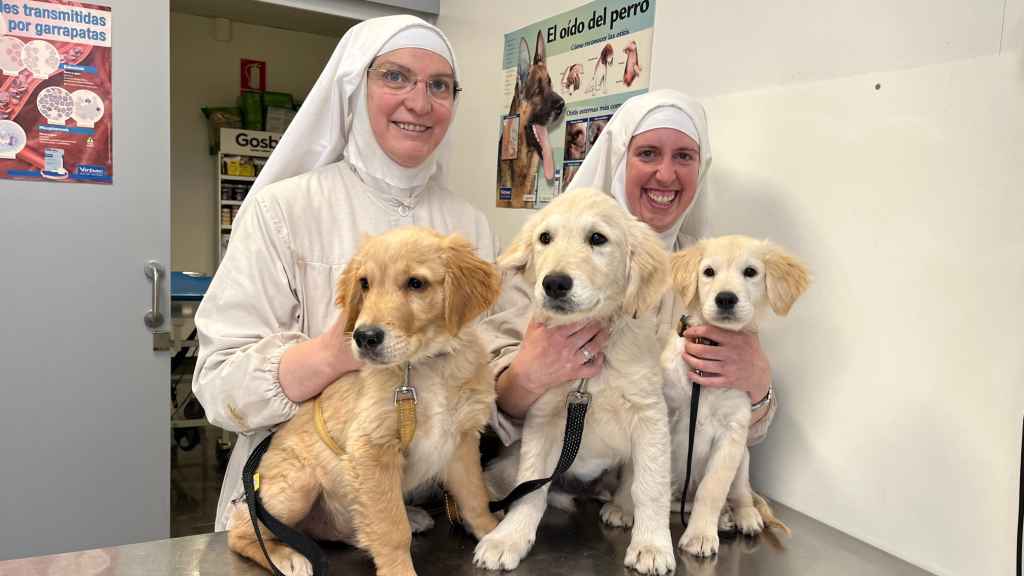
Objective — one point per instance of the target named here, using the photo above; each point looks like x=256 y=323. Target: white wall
x=1013 y=25
x=899 y=374
x=708 y=48
x=205 y=72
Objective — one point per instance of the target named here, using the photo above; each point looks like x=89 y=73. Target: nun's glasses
x=441 y=89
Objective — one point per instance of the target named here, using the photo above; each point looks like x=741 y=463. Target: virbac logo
x=265 y=143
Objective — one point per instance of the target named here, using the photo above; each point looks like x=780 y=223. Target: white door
x=84 y=456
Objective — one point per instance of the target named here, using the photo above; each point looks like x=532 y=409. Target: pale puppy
x=730 y=282
x=585 y=258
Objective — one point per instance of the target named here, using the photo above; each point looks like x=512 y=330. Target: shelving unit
x=240 y=159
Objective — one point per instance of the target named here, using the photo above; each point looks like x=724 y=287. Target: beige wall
x=205 y=72
x=899 y=373
x=707 y=48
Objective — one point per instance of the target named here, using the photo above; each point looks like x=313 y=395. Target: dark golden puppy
x=408 y=297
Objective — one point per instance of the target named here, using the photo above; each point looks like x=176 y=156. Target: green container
x=278 y=100
x=252 y=110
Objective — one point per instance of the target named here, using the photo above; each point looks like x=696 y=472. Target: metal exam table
x=567 y=545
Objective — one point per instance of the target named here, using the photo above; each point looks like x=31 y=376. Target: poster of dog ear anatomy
x=564 y=77
x=55 y=92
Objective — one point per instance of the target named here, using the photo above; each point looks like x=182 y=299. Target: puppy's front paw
x=419 y=519
x=749 y=521
x=613 y=515
x=651 y=556
x=699 y=542
x=501 y=550
x=699 y=566
x=291 y=563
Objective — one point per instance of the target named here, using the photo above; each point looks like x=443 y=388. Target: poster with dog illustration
x=564 y=77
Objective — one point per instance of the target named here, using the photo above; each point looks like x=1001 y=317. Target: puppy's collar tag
x=405 y=403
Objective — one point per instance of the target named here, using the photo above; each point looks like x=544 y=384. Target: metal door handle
x=154 y=319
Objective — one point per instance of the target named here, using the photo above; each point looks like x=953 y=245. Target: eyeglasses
x=441 y=89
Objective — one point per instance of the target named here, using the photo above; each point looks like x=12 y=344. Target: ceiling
x=263 y=13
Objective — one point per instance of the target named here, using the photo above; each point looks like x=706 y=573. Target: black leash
x=1020 y=513
x=694 y=406
x=295 y=539
x=576 y=415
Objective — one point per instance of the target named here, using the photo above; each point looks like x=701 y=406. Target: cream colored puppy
x=586 y=258
x=730 y=282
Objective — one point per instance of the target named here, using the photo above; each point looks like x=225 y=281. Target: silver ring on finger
x=699 y=372
x=587 y=355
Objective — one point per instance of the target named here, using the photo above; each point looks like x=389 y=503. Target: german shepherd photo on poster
x=538 y=109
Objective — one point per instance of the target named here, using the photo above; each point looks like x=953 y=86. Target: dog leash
x=295 y=539
x=576 y=415
x=405 y=403
x=1020 y=513
x=694 y=406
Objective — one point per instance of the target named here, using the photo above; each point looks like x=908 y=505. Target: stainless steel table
x=567 y=544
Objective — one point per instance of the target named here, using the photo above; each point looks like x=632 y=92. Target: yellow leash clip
x=405 y=401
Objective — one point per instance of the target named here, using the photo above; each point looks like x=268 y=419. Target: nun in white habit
x=652 y=157
x=366 y=153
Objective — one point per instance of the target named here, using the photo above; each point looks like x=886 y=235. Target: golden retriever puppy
x=730 y=282
x=408 y=296
x=585 y=258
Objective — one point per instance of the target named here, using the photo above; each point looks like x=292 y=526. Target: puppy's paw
x=651 y=555
x=726 y=521
x=749 y=521
x=699 y=566
x=291 y=563
x=613 y=515
x=501 y=550
x=419 y=519
x=699 y=542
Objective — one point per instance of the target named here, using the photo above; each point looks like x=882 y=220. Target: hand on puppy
x=738 y=362
x=548 y=357
x=308 y=367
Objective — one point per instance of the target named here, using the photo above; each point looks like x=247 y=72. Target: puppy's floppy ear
x=350 y=293
x=786 y=278
x=471 y=285
x=516 y=257
x=647 y=268
x=685 y=270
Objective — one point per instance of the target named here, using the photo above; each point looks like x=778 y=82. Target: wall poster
x=55 y=91
x=564 y=77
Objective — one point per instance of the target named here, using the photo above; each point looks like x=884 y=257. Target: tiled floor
x=195 y=474
x=195 y=486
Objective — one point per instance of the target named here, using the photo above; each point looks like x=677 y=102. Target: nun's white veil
x=333 y=123
x=605 y=165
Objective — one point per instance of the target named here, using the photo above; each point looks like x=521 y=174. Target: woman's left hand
x=737 y=362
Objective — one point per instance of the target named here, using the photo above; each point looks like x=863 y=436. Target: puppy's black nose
x=557 y=285
x=368 y=337
x=726 y=300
